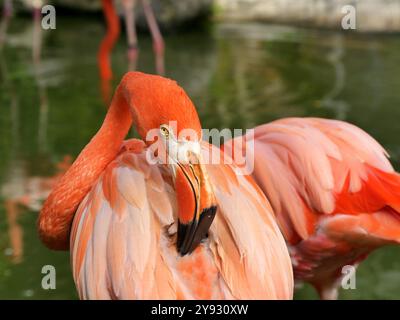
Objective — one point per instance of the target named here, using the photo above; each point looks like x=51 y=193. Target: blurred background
x=243 y=62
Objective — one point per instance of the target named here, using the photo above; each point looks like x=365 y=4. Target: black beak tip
x=190 y=235
x=183 y=230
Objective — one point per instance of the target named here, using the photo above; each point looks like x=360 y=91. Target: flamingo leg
x=133 y=49
x=158 y=41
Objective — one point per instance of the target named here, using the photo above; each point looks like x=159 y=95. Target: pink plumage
x=129 y=238
x=334 y=193
x=123 y=236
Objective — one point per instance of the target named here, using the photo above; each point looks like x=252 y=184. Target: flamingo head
x=163 y=113
x=155 y=101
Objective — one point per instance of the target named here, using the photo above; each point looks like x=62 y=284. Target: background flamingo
x=158 y=42
x=143 y=231
x=111 y=37
x=335 y=195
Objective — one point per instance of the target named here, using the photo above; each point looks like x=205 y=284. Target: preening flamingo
x=335 y=195
x=142 y=230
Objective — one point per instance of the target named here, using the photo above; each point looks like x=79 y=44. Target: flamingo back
x=310 y=168
x=335 y=195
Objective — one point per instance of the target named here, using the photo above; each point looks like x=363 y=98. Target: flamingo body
x=334 y=193
x=123 y=236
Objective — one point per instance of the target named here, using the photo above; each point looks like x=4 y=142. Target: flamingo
x=185 y=229
x=335 y=195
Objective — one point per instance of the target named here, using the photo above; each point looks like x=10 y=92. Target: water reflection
x=239 y=76
x=330 y=100
x=20 y=192
x=23 y=190
x=19 y=188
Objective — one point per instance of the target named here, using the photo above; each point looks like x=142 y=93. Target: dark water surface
x=238 y=76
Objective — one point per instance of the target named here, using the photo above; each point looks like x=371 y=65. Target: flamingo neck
x=57 y=214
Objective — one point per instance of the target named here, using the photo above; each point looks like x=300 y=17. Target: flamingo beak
x=196 y=204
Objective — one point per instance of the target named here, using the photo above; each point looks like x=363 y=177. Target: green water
x=238 y=76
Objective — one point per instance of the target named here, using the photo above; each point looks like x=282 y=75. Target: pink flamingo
x=180 y=230
x=334 y=193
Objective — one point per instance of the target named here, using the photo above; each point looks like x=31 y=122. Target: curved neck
x=57 y=214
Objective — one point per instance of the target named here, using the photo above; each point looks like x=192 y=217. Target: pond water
x=237 y=75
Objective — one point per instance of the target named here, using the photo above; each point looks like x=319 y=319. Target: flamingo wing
x=116 y=230
x=249 y=249
x=124 y=233
x=313 y=168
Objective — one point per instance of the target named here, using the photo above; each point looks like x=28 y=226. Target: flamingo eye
x=164 y=131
